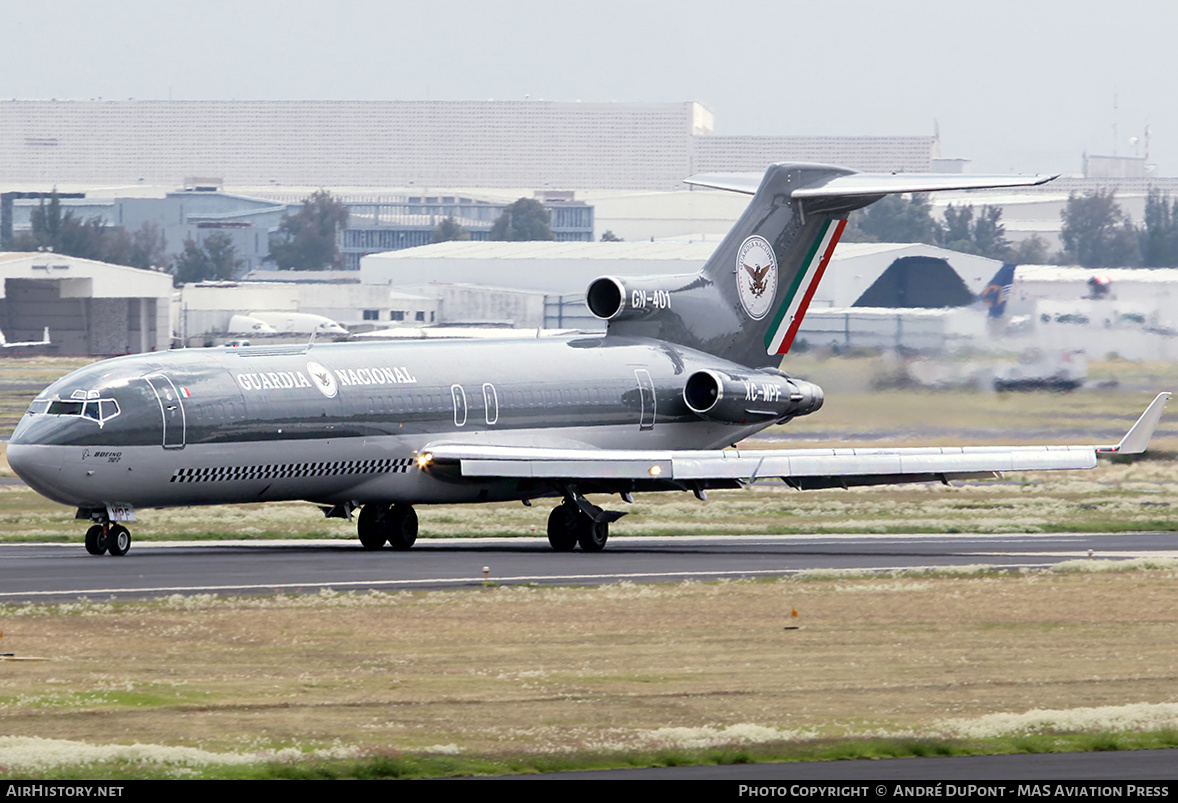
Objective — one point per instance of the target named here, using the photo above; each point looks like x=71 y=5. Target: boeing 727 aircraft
x=688 y=366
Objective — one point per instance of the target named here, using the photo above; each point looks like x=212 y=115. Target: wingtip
x=1139 y=435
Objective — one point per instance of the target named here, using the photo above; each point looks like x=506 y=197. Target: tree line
x=305 y=240
x=1095 y=232
x=909 y=219
x=308 y=239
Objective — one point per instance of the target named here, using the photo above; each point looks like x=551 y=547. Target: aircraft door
x=490 y=403
x=171 y=410
x=647 y=397
x=459 y=396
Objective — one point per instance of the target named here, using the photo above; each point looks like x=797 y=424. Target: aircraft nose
x=36 y=465
x=20 y=459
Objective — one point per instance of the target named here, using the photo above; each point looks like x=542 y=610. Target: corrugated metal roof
x=1054 y=273
x=665 y=249
x=547 y=249
x=849 y=250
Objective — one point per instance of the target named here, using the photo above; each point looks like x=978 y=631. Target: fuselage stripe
x=795 y=283
x=784 y=336
x=289 y=470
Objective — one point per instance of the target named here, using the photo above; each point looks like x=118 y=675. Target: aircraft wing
x=800 y=468
x=869 y=184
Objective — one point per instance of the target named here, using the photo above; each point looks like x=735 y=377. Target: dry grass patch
x=570 y=669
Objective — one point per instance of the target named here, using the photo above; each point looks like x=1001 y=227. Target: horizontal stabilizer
x=869 y=184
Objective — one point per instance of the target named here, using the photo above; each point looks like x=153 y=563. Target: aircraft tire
x=400 y=524
x=118 y=541
x=562 y=522
x=591 y=535
x=370 y=525
x=96 y=540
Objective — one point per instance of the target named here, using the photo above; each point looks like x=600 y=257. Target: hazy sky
x=1022 y=86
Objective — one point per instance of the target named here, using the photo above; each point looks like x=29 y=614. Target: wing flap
x=824 y=467
x=752 y=465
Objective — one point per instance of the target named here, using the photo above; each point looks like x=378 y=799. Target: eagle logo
x=322 y=379
x=756 y=276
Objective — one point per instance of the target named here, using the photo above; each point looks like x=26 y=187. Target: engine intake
x=754 y=397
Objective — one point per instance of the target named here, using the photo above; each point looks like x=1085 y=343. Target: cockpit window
x=99 y=410
x=65 y=407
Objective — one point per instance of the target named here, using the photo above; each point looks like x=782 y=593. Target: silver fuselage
x=339 y=424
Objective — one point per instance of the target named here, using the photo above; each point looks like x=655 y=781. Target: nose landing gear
x=112 y=538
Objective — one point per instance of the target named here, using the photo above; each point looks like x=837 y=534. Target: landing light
x=655 y=471
x=424 y=459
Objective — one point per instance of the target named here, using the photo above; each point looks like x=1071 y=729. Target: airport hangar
x=873 y=294
x=203 y=312
x=92 y=308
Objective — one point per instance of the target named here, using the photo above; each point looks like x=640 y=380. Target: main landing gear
x=108 y=538
x=577 y=521
x=379 y=524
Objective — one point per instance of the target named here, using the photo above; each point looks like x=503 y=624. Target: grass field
x=515 y=678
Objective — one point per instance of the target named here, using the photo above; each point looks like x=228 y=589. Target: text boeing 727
x=687 y=367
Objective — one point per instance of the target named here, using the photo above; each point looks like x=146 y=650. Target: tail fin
x=998 y=290
x=748 y=301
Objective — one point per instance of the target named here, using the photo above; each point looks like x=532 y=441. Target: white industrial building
x=202 y=312
x=1132 y=313
x=877 y=275
x=409 y=144
x=543 y=266
x=569 y=267
x=90 y=307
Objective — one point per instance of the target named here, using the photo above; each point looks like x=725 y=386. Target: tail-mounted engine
x=757 y=396
x=634 y=298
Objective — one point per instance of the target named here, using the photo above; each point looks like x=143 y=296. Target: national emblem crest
x=322 y=379
x=756 y=276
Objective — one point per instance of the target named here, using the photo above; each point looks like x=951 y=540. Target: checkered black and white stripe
x=279 y=471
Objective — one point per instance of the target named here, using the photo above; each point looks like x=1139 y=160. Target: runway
x=56 y=572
